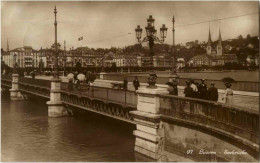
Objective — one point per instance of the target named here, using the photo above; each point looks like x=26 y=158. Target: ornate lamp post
x=174 y=75
x=56 y=46
x=151 y=38
x=55 y=105
x=65 y=57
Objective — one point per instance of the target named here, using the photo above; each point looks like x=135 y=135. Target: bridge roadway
x=249 y=100
x=227 y=124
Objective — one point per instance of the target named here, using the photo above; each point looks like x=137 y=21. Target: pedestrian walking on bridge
x=202 y=90
x=194 y=88
x=228 y=96
x=125 y=83
x=136 y=83
x=77 y=83
x=170 y=88
x=212 y=93
x=188 y=91
x=175 y=87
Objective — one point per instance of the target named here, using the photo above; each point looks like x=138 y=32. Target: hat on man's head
x=212 y=83
x=202 y=79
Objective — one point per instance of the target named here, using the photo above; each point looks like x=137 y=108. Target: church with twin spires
x=214 y=50
x=215 y=55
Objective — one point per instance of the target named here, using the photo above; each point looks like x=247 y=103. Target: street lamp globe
x=151 y=37
x=150 y=20
x=138 y=32
x=163 y=32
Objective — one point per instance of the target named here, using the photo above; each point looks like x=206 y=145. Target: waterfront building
x=6 y=58
x=85 y=56
x=25 y=57
x=48 y=57
x=200 y=60
x=252 y=60
x=108 y=61
x=125 y=60
x=159 y=60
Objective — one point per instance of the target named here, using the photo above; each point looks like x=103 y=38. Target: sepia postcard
x=130 y=81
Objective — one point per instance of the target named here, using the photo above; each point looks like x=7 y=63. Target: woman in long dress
x=228 y=96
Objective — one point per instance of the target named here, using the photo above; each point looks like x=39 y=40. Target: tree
x=248 y=37
x=240 y=37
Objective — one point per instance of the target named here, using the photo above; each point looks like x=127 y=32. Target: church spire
x=219 y=39
x=209 y=40
x=7 y=48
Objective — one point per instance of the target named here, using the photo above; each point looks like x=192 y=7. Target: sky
x=112 y=24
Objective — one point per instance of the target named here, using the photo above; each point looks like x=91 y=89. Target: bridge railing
x=106 y=94
x=238 y=121
x=249 y=86
x=35 y=82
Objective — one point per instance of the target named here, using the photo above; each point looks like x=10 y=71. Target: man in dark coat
x=125 y=83
x=202 y=90
x=212 y=92
x=188 y=91
x=175 y=87
x=136 y=83
x=170 y=88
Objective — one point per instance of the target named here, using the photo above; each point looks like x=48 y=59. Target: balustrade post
x=15 y=94
x=55 y=105
x=102 y=75
x=149 y=133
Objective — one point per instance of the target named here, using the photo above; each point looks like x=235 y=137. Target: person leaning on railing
x=202 y=90
x=136 y=83
x=194 y=88
x=188 y=91
x=212 y=93
x=228 y=96
x=125 y=83
x=77 y=84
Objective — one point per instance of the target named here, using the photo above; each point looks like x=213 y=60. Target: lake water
x=28 y=134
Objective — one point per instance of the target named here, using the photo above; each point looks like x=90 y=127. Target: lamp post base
x=151 y=80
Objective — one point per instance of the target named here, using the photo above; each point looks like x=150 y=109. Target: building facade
x=24 y=57
x=214 y=50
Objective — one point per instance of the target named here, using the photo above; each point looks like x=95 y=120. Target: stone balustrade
x=238 y=121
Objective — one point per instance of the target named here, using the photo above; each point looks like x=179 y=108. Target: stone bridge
x=168 y=128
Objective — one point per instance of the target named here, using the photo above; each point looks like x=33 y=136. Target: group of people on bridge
x=200 y=91
x=192 y=89
x=76 y=79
